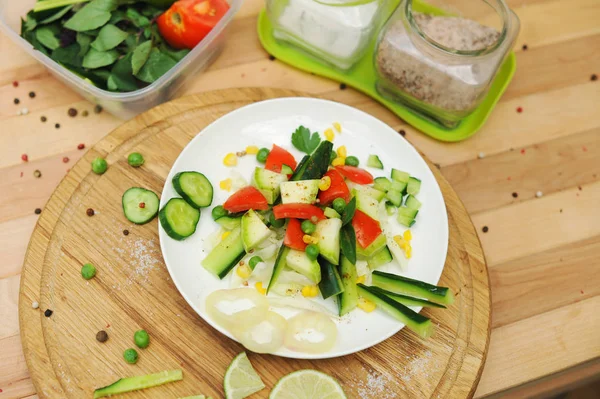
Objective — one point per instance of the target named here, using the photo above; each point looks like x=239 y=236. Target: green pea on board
x=141 y=339
x=99 y=166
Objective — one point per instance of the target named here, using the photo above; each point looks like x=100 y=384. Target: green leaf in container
x=98 y=59
x=156 y=66
x=138 y=19
x=121 y=76
x=108 y=38
x=93 y=15
x=140 y=56
x=84 y=42
x=30 y=22
x=47 y=36
x=68 y=55
x=56 y=16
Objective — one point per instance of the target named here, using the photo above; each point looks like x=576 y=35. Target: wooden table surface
x=543 y=252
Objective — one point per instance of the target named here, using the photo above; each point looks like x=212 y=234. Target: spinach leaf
x=68 y=55
x=30 y=22
x=108 y=38
x=121 y=76
x=93 y=15
x=348 y=213
x=176 y=55
x=47 y=36
x=84 y=42
x=136 y=18
x=140 y=56
x=304 y=141
x=157 y=65
x=31 y=38
x=348 y=243
x=57 y=15
x=97 y=59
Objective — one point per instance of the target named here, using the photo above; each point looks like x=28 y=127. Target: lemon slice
x=307 y=384
x=240 y=378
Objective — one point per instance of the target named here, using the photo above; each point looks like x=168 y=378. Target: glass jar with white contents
x=441 y=63
x=335 y=31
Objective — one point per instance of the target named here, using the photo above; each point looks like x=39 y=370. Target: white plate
x=273 y=121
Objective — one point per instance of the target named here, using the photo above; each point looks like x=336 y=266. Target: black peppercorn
x=271 y=57
x=343 y=86
x=126 y=232
x=402 y=132
x=48 y=313
x=90 y=212
x=97 y=109
x=43 y=119
x=485 y=229
x=32 y=94
x=16 y=101
x=594 y=77
x=57 y=125
x=72 y=112
x=515 y=195
x=38 y=211
x=101 y=336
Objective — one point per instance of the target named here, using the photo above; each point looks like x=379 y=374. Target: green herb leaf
x=136 y=18
x=349 y=212
x=140 y=56
x=348 y=243
x=108 y=38
x=176 y=55
x=93 y=15
x=68 y=55
x=30 y=22
x=156 y=66
x=98 y=59
x=56 y=16
x=30 y=37
x=121 y=75
x=84 y=42
x=304 y=141
x=46 y=36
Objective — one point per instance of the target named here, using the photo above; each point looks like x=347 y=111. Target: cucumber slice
x=382 y=184
x=138 y=382
x=331 y=282
x=315 y=166
x=414 y=186
x=390 y=208
x=299 y=262
x=406 y=216
x=366 y=203
x=131 y=201
x=347 y=299
x=376 y=194
x=376 y=246
x=254 y=231
x=381 y=258
x=228 y=222
x=280 y=264
x=300 y=168
x=374 y=162
x=331 y=213
x=328 y=233
x=178 y=218
x=417 y=323
x=267 y=182
x=299 y=192
x=398 y=186
x=226 y=254
x=412 y=202
x=408 y=286
x=395 y=197
x=194 y=187
x=407 y=300
x=398 y=175
x=286 y=170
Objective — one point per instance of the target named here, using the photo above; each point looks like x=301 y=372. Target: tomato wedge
x=279 y=157
x=298 y=211
x=338 y=189
x=293 y=235
x=366 y=228
x=246 y=198
x=356 y=175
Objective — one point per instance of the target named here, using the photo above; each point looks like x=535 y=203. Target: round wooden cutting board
x=132 y=289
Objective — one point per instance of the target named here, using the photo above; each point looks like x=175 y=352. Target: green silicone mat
x=362 y=77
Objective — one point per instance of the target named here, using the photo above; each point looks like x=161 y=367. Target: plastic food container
x=335 y=31
x=441 y=65
x=123 y=105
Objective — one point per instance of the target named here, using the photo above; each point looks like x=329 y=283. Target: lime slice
x=307 y=384
x=240 y=379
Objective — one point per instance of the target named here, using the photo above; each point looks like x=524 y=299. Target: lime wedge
x=240 y=379
x=307 y=384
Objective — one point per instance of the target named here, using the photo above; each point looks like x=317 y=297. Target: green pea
x=332 y=156
x=339 y=205
x=135 y=159
x=255 y=260
x=99 y=165
x=308 y=227
x=352 y=161
x=141 y=339
x=312 y=251
x=218 y=212
x=88 y=271
x=277 y=223
x=130 y=355
x=262 y=154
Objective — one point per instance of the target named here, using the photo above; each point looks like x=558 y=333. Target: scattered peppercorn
x=481 y=155
x=539 y=194
x=97 y=109
x=101 y=336
x=402 y=132
x=525 y=47
x=65 y=159
x=15 y=84
x=25 y=111
x=85 y=113
x=80 y=146
x=90 y=212
x=561 y=211
x=594 y=77
x=515 y=195
x=57 y=125
x=37 y=173
x=519 y=109
x=16 y=101
x=32 y=94
x=125 y=232
x=343 y=86
x=38 y=211
x=485 y=229
x=43 y=119
x=72 y=112
x=24 y=158
x=271 y=57
x=48 y=312
x=35 y=305
x=142 y=205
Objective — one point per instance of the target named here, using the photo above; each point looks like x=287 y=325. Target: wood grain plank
x=550 y=166
x=544 y=281
x=9 y=298
x=14 y=376
x=14 y=238
x=538 y=225
x=541 y=345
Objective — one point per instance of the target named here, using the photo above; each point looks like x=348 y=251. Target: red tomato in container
x=355 y=175
x=294 y=235
x=366 y=228
x=279 y=157
x=338 y=189
x=246 y=198
x=298 y=211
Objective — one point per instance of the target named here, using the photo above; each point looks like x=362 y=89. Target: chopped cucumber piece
x=138 y=382
x=194 y=187
x=407 y=300
x=376 y=246
x=398 y=186
x=395 y=197
x=347 y=299
x=280 y=264
x=406 y=221
x=382 y=183
x=287 y=289
x=406 y=216
x=328 y=234
x=228 y=222
x=398 y=175
x=414 y=186
x=408 y=286
x=374 y=162
x=132 y=205
x=254 y=231
x=226 y=254
x=299 y=262
x=366 y=203
x=316 y=165
x=286 y=170
x=267 y=182
x=299 y=192
x=331 y=282
x=331 y=213
x=178 y=218
x=380 y=258
x=390 y=208
x=367 y=191
x=412 y=202
x=417 y=323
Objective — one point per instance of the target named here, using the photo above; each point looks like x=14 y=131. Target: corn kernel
x=337 y=127
x=252 y=150
x=224 y=235
x=400 y=241
x=259 y=287
x=308 y=239
x=230 y=159
x=342 y=152
x=366 y=305
x=225 y=184
x=325 y=183
x=244 y=271
x=310 y=291
x=329 y=135
x=361 y=279
x=407 y=235
x=339 y=161
x=408 y=252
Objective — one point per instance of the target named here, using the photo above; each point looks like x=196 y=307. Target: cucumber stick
x=416 y=288
x=179 y=218
x=226 y=254
x=331 y=282
x=139 y=382
x=299 y=262
x=380 y=258
x=407 y=300
x=280 y=264
x=315 y=166
x=194 y=188
x=139 y=205
x=348 y=299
